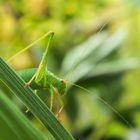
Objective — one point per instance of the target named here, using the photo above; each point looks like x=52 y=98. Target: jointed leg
x=51 y=97
x=30 y=81
x=61 y=103
x=27 y=110
x=59 y=112
x=33 y=77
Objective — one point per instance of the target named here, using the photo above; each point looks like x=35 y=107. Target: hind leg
x=60 y=101
x=51 y=97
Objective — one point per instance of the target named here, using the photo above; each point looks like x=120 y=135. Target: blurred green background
x=96 y=45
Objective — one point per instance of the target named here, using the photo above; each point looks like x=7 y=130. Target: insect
x=41 y=77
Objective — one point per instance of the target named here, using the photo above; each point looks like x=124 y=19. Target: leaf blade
x=33 y=102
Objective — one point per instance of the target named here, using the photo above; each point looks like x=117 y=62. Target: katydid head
x=62 y=86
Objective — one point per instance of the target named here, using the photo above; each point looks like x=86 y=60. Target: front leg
x=34 y=76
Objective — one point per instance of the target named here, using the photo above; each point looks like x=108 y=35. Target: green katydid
x=41 y=77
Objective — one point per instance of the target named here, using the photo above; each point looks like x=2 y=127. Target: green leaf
x=33 y=102
x=13 y=124
x=82 y=51
x=93 y=52
x=112 y=67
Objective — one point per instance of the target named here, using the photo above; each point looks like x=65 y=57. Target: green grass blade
x=13 y=124
x=95 y=54
x=33 y=102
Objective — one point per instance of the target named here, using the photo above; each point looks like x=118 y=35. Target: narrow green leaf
x=96 y=54
x=13 y=124
x=82 y=51
x=33 y=102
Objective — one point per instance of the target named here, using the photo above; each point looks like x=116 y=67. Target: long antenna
x=106 y=103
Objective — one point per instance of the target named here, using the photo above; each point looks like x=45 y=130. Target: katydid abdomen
x=49 y=79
